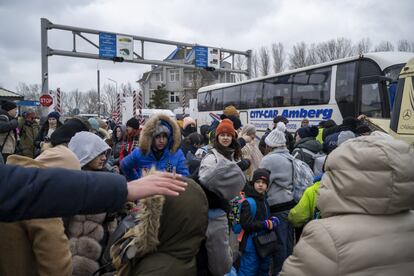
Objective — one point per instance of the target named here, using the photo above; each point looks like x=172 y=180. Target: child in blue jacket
x=159 y=147
x=260 y=222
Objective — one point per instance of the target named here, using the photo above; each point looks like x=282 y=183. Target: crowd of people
x=359 y=200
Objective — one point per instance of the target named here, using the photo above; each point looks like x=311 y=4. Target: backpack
x=314 y=160
x=235 y=211
x=302 y=177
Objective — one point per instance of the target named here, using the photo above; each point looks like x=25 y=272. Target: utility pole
x=99 y=93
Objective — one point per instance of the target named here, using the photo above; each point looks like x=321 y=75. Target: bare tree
x=278 y=55
x=127 y=89
x=333 y=49
x=312 y=56
x=297 y=58
x=384 y=46
x=76 y=99
x=30 y=92
x=91 y=101
x=65 y=102
x=110 y=97
x=363 y=46
x=240 y=64
x=405 y=46
x=255 y=65
x=264 y=64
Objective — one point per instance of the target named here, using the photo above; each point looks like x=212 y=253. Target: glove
x=271 y=223
x=275 y=221
x=244 y=164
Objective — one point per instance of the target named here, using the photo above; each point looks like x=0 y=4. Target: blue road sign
x=107 y=45
x=28 y=103
x=201 y=56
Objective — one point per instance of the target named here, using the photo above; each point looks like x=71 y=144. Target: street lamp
x=116 y=84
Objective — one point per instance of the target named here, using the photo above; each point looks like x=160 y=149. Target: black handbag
x=265 y=244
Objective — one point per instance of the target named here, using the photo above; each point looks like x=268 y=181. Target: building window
x=174 y=98
x=190 y=76
x=174 y=75
x=158 y=77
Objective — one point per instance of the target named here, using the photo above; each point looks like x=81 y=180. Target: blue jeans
x=285 y=232
x=251 y=264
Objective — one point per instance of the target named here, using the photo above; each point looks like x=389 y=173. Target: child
x=250 y=262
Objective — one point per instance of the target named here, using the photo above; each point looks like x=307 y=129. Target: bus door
x=373 y=97
x=244 y=117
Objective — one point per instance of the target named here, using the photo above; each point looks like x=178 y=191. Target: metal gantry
x=83 y=33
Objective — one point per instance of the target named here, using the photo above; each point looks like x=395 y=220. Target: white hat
x=345 y=135
x=277 y=138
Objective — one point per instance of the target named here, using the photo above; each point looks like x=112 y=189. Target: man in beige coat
x=39 y=246
x=365 y=198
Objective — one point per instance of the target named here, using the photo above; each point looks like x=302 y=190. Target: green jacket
x=28 y=134
x=170 y=234
x=305 y=209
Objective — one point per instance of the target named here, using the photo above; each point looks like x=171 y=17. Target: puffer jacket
x=8 y=127
x=37 y=246
x=143 y=157
x=169 y=234
x=279 y=194
x=365 y=199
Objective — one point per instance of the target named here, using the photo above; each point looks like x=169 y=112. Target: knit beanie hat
x=64 y=133
x=161 y=128
x=94 y=123
x=134 y=123
x=262 y=174
x=54 y=114
x=226 y=126
x=345 y=135
x=87 y=146
x=188 y=121
x=8 y=105
x=304 y=132
x=231 y=111
x=236 y=121
x=363 y=129
x=277 y=138
x=280 y=118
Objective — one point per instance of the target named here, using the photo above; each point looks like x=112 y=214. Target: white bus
x=332 y=90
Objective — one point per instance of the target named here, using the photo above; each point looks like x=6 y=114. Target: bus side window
x=371 y=100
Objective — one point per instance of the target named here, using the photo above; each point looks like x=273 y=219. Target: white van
x=147 y=113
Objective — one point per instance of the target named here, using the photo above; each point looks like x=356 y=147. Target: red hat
x=226 y=126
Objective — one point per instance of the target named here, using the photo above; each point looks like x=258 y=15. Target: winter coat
x=253 y=224
x=217 y=241
x=28 y=134
x=305 y=209
x=310 y=144
x=280 y=182
x=251 y=151
x=27 y=193
x=143 y=158
x=170 y=234
x=365 y=199
x=8 y=134
x=38 y=246
x=87 y=234
x=117 y=144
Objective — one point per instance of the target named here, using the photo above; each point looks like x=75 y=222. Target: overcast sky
x=239 y=25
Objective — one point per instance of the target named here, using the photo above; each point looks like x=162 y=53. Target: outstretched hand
x=160 y=183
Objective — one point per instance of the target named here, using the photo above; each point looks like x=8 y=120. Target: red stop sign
x=46 y=100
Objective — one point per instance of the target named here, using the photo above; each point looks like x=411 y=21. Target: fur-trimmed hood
x=172 y=225
x=174 y=139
